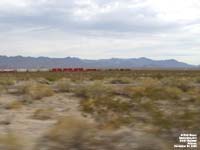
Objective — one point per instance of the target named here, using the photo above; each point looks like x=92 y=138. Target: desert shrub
x=122 y=80
x=152 y=92
x=104 y=104
x=2 y=89
x=182 y=83
x=14 y=105
x=39 y=91
x=194 y=94
x=43 y=114
x=68 y=133
x=93 y=90
x=10 y=141
x=133 y=91
x=197 y=80
x=32 y=90
x=163 y=93
x=184 y=86
x=148 y=82
x=64 y=85
x=52 y=77
x=116 y=121
x=42 y=80
x=87 y=105
x=158 y=76
x=109 y=111
x=21 y=88
x=7 y=81
x=81 y=91
x=79 y=134
x=36 y=90
x=96 y=76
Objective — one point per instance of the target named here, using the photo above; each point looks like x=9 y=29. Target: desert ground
x=102 y=110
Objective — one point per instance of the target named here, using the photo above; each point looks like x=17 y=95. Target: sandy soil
x=21 y=122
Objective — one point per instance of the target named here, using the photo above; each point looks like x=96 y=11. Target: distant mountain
x=45 y=62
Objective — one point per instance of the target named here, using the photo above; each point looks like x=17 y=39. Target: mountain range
x=16 y=62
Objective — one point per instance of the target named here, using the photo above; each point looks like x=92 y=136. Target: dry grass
x=10 y=142
x=64 y=85
x=68 y=133
x=34 y=90
x=7 y=81
x=130 y=109
x=109 y=111
x=160 y=103
x=153 y=92
x=2 y=89
x=93 y=90
x=121 y=80
x=80 y=134
x=43 y=114
x=14 y=105
x=38 y=91
x=197 y=80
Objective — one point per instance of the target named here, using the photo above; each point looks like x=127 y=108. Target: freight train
x=59 y=70
x=47 y=70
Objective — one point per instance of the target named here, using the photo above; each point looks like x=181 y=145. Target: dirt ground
x=21 y=122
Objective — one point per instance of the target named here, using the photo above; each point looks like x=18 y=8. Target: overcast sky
x=158 y=29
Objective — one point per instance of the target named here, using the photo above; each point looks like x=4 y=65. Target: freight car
x=7 y=70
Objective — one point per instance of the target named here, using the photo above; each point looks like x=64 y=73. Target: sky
x=95 y=29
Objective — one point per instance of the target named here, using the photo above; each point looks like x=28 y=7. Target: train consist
x=47 y=70
x=58 y=70
x=71 y=69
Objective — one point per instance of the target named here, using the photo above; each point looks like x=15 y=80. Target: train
x=47 y=70
x=58 y=70
x=72 y=69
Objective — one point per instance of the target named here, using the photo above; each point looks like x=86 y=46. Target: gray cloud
x=62 y=15
x=96 y=28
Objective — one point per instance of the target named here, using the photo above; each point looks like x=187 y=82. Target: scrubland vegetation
x=119 y=110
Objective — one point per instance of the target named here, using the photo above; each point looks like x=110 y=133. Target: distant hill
x=45 y=62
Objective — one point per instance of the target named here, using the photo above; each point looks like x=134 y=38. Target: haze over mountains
x=46 y=62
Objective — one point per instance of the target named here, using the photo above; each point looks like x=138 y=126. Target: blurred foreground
x=104 y=110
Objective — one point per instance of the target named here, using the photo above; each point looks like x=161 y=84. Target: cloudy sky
x=158 y=29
